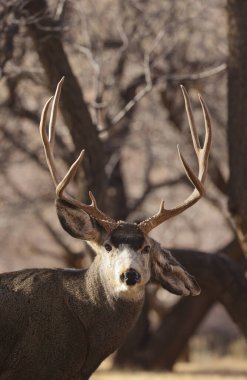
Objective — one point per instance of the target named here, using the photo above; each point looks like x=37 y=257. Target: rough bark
x=237 y=116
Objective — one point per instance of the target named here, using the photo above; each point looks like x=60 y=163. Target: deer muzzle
x=131 y=277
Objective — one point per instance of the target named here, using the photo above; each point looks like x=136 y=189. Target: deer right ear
x=77 y=222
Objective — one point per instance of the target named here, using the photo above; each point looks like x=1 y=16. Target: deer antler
x=202 y=156
x=92 y=210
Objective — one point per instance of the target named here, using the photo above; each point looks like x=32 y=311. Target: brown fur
x=59 y=324
x=53 y=325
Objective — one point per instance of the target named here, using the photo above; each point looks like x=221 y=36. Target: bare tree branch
x=152 y=187
x=22 y=147
x=195 y=76
x=148 y=87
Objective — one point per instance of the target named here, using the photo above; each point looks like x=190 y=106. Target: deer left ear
x=166 y=271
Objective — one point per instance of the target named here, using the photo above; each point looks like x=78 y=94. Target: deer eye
x=146 y=249
x=108 y=247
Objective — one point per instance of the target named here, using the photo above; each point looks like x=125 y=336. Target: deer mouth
x=131 y=277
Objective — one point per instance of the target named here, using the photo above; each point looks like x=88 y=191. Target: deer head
x=128 y=257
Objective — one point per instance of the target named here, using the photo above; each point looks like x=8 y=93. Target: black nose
x=130 y=277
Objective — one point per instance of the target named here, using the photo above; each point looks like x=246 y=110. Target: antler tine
x=189 y=173
x=48 y=141
x=197 y=181
x=54 y=107
x=200 y=152
x=194 y=134
x=93 y=210
x=47 y=146
x=69 y=175
x=208 y=137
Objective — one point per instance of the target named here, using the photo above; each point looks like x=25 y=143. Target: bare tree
x=122 y=85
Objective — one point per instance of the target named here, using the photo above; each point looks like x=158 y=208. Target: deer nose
x=130 y=277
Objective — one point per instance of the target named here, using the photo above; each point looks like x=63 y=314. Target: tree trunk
x=49 y=46
x=170 y=340
x=237 y=116
x=221 y=279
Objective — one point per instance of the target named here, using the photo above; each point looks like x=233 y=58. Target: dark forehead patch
x=127 y=233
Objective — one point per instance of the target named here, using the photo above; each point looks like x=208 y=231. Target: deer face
x=128 y=258
x=126 y=255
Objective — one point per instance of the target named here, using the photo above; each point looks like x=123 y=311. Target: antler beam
x=48 y=141
x=198 y=181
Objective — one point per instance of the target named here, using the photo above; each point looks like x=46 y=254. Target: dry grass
x=214 y=370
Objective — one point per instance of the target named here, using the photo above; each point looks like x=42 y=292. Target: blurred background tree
x=123 y=63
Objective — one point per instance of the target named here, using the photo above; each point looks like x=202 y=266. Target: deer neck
x=100 y=313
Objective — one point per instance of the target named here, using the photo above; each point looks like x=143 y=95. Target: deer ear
x=166 y=271
x=76 y=221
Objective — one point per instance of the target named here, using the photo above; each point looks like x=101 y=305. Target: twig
x=111 y=164
x=89 y=54
x=120 y=115
x=97 y=104
x=154 y=186
x=124 y=38
x=201 y=75
x=18 y=144
x=59 y=9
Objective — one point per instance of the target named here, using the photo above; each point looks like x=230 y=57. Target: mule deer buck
x=59 y=324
